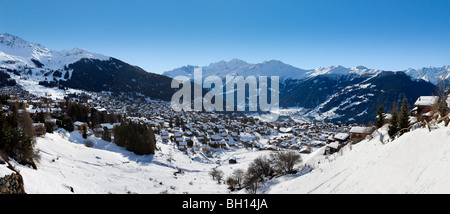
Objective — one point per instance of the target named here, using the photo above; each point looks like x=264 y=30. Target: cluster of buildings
x=206 y=131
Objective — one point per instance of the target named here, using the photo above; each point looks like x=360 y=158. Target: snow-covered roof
x=107 y=125
x=333 y=145
x=448 y=101
x=78 y=123
x=286 y=130
x=341 y=136
x=426 y=100
x=361 y=130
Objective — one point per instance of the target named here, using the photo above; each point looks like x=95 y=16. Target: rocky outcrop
x=12 y=184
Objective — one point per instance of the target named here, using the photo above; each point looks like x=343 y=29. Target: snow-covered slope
x=67 y=165
x=17 y=53
x=342 y=71
x=41 y=71
x=417 y=162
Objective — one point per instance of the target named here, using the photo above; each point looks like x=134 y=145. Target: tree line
x=17 y=137
x=135 y=137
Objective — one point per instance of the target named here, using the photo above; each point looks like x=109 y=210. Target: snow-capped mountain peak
x=237 y=67
x=430 y=74
x=16 y=52
x=339 y=70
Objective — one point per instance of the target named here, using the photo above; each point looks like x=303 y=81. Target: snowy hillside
x=417 y=162
x=106 y=168
x=17 y=53
x=41 y=71
x=67 y=165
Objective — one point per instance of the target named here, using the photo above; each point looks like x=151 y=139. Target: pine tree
x=403 y=118
x=84 y=132
x=106 y=136
x=380 y=113
x=5 y=136
x=67 y=124
x=393 y=124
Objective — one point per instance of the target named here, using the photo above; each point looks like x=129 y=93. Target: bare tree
x=285 y=161
x=238 y=175
x=443 y=92
x=251 y=182
x=216 y=174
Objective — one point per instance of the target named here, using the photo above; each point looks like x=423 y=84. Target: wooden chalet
x=359 y=133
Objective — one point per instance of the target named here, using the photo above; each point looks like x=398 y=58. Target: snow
x=4 y=169
x=21 y=51
x=430 y=74
x=426 y=101
x=417 y=162
x=106 y=168
x=360 y=129
x=341 y=136
x=237 y=67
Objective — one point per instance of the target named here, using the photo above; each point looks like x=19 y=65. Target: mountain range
x=78 y=69
x=335 y=93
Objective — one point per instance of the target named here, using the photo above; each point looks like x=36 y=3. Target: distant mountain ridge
x=335 y=93
x=284 y=71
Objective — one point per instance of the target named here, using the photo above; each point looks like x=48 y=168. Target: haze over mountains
x=334 y=93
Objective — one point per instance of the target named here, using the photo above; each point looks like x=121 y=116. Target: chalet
x=182 y=145
x=98 y=132
x=232 y=143
x=286 y=130
x=294 y=146
x=79 y=125
x=271 y=147
x=39 y=128
x=51 y=121
x=216 y=138
x=424 y=104
x=359 y=133
x=332 y=148
x=341 y=137
x=232 y=160
x=206 y=147
x=305 y=150
x=110 y=127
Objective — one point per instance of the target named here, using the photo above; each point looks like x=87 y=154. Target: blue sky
x=159 y=35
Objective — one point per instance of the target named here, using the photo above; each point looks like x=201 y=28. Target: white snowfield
x=13 y=48
x=67 y=165
x=417 y=162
